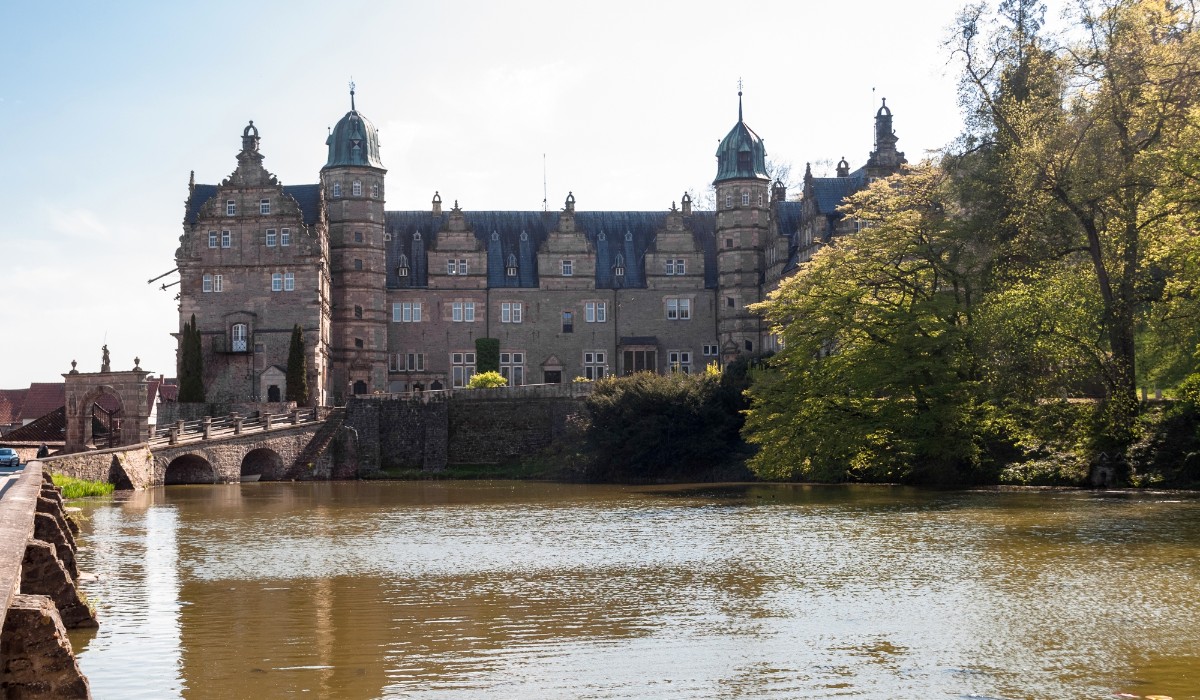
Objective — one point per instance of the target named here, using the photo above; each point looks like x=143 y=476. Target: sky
x=105 y=109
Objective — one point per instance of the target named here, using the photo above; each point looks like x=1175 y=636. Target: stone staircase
x=307 y=463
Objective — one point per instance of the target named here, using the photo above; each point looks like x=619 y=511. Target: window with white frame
x=264 y=206
x=277 y=282
x=745 y=199
x=238 y=336
x=462 y=368
x=595 y=311
x=402 y=266
x=212 y=239
x=462 y=311
x=337 y=189
x=207 y=283
x=710 y=350
x=230 y=207
x=595 y=364
x=511 y=311
x=356 y=189
x=218 y=283
x=289 y=281
x=512 y=367
x=568 y=268
x=676 y=266
x=679 y=361
x=271 y=237
x=226 y=239
x=406 y=312
x=375 y=191
x=679 y=308
x=285 y=236
x=408 y=362
x=729 y=201
x=510 y=270
x=456 y=267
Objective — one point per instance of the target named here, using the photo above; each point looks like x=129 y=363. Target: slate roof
x=307 y=196
x=51 y=427
x=628 y=234
x=828 y=192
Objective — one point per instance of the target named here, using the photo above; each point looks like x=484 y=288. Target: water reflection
x=441 y=589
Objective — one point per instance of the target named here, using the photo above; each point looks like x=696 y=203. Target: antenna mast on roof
x=545 y=190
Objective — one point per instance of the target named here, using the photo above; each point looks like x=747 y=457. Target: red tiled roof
x=51 y=427
x=43 y=398
x=11 y=401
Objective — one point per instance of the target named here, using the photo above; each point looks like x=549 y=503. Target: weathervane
x=351 y=93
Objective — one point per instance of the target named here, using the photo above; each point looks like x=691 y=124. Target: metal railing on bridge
x=218 y=427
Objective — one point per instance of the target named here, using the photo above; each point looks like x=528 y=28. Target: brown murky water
x=525 y=590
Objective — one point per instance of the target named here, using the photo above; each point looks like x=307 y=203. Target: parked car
x=9 y=457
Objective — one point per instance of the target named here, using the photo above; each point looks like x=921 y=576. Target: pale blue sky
x=106 y=107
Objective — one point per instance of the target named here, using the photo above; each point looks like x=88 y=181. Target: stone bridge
x=284 y=451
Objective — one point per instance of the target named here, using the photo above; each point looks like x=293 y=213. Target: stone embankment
x=38 y=592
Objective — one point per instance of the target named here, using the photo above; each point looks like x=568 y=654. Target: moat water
x=527 y=590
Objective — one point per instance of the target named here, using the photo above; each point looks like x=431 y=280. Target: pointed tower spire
x=739 y=99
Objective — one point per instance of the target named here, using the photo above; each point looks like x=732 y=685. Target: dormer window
x=337 y=189
x=619 y=266
x=230 y=207
x=402 y=266
x=743 y=160
x=356 y=189
x=387 y=236
x=510 y=270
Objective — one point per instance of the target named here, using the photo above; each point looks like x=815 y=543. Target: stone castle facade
x=393 y=301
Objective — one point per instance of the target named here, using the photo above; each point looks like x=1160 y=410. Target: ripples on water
x=443 y=589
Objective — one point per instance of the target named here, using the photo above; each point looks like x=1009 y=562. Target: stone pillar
x=237 y=423
x=206 y=424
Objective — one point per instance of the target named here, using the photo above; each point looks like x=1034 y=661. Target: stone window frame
x=512 y=311
x=289 y=281
x=276 y=281
x=239 y=341
x=206 y=284
x=407 y=362
x=462 y=368
x=676 y=266
x=595 y=364
x=462 y=312
x=358 y=237
x=213 y=239
x=512 y=366
x=406 y=312
x=568 y=321
x=595 y=312
x=745 y=198
x=271 y=237
x=358 y=264
x=678 y=308
x=568 y=267
x=728 y=201
x=264 y=206
x=375 y=191
x=226 y=239
x=356 y=188
x=337 y=189
x=285 y=237
x=231 y=207
x=679 y=361
x=711 y=350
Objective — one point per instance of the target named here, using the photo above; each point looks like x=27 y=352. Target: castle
x=393 y=301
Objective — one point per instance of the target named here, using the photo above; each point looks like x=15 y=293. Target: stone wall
x=129 y=466
x=463 y=427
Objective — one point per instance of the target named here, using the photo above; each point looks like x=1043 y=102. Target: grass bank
x=80 y=488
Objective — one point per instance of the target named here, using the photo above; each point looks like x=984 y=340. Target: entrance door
x=360 y=387
x=273 y=393
x=553 y=376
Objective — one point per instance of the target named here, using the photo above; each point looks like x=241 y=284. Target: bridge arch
x=189 y=469
x=262 y=463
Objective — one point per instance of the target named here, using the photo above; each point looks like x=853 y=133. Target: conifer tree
x=297 y=369
x=191 y=365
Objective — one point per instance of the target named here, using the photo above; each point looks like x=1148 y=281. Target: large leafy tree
x=1080 y=137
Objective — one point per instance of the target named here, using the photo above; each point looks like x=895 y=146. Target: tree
x=1088 y=153
x=191 y=364
x=297 y=369
x=487 y=354
x=877 y=379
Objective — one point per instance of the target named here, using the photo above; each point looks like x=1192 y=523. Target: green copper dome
x=741 y=155
x=354 y=141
